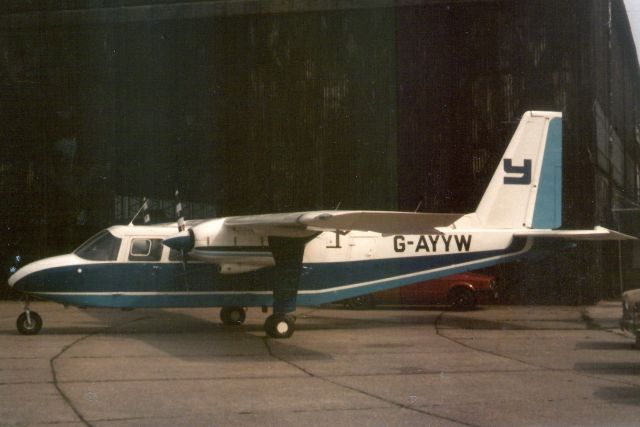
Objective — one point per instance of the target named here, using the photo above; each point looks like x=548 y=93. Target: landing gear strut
x=232 y=315
x=29 y=322
x=280 y=325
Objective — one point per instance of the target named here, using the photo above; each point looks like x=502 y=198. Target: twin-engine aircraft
x=310 y=258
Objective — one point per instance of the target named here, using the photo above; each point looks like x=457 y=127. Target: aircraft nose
x=15 y=280
x=18 y=280
x=32 y=276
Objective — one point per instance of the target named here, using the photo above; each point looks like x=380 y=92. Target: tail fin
x=526 y=188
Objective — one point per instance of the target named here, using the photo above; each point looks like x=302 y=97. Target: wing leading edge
x=303 y=224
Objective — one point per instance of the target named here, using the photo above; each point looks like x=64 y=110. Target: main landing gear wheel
x=280 y=325
x=29 y=323
x=232 y=315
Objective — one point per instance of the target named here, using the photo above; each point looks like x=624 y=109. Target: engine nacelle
x=235 y=268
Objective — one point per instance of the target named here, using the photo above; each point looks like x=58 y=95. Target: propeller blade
x=179 y=215
x=182 y=242
x=184 y=260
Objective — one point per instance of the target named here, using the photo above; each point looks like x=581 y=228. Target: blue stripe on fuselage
x=168 y=285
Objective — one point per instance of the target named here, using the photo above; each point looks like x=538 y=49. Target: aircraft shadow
x=629 y=395
x=174 y=333
x=361 y=321
x=390 y=307
x=605 y=345
x=610 y=368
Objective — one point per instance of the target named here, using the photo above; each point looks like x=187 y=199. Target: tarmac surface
x=495 y=366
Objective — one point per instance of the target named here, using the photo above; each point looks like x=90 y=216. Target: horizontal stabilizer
x=598 y=233
x=306 y=223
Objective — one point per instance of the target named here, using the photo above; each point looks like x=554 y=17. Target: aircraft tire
x=233 y=316
x=26 y=328
x=279 y=326
x=462 y=298
x=362 y=302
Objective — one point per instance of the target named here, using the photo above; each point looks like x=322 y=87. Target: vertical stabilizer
x=526 y=188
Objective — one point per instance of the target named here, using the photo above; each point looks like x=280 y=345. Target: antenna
x=338 y=205
x=145 y=208
x=419 y=206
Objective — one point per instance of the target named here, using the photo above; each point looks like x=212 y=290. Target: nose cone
x=19 y=279
x=30 y=277
x=20 y=274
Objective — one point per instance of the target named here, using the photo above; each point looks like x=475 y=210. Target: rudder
x=526 y=188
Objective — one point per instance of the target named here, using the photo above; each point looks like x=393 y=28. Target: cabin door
x=145 y=269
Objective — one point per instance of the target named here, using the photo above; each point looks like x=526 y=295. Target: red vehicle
x=461 y=291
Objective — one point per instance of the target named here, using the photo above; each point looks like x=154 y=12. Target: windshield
x=103 y=246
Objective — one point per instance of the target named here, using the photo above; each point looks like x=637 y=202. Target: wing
x=598 y=233
x=302 y=224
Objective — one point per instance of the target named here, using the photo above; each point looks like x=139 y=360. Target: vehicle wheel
x=232 y=315
x=279 y=325
x=462 y=298
x=361 y=302
x=29 y=328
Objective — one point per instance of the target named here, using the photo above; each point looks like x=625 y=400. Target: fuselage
x=129 y=267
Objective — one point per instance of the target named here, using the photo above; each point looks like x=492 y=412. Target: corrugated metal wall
x=269 y=106
x=250 y=112
x=465 y=80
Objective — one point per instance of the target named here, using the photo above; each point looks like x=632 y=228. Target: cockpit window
x=104 y=246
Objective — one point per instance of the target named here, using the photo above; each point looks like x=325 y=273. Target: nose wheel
x=29 y=323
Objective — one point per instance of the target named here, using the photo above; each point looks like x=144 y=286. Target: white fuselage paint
x=469 y=248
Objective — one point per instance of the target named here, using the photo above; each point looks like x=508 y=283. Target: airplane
x=285 y=260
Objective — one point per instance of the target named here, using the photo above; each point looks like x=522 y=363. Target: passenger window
x=140 y=247
x=145 y=250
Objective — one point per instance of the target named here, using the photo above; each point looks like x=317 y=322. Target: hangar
x=263 y=106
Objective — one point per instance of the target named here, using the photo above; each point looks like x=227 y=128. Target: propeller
x=179 y=214
x=185 y=239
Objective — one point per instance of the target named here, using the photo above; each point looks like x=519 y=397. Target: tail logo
x=523 y=173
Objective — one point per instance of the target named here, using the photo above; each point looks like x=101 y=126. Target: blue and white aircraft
x=309 y=258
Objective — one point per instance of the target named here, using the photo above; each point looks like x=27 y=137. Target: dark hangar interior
x=261 y=106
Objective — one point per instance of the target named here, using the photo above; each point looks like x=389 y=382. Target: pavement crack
x=54 y=373
x=56 y=383
x=360 y=391
x=465 y=345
